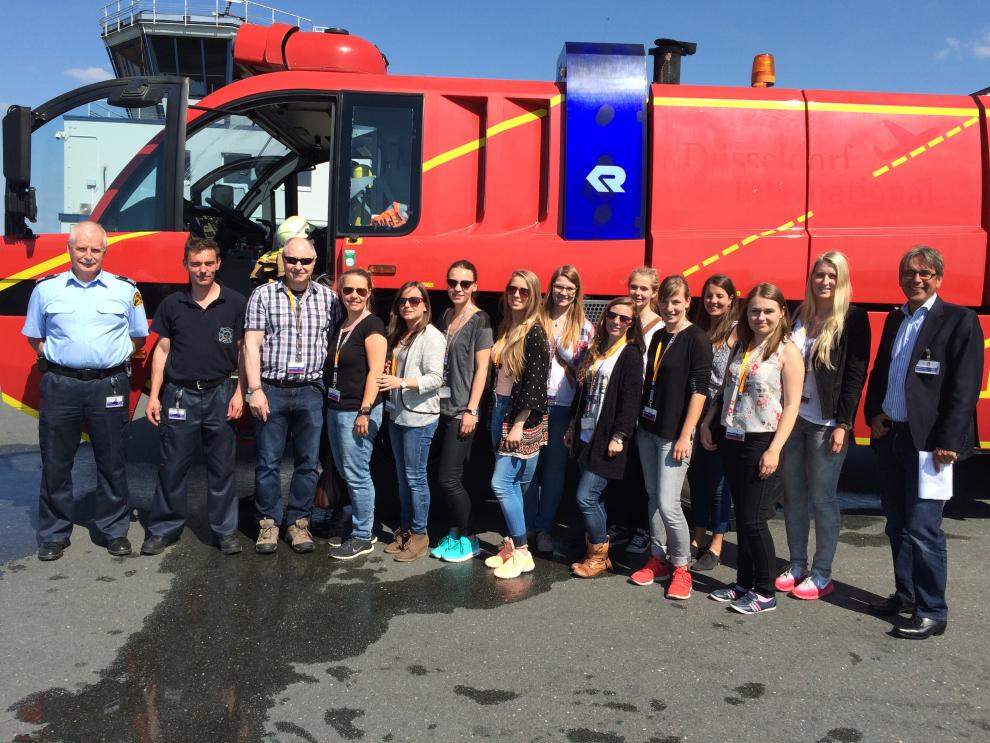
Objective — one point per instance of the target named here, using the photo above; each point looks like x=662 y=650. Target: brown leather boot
x=399 y=537
x=416 y=546
x=595 y=563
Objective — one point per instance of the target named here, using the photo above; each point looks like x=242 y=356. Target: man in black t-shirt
x=200 y=329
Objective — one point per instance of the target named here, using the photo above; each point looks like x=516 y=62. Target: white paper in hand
x=933 y=485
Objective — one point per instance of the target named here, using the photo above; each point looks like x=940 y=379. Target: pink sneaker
x=809 y=590
x=788 y=579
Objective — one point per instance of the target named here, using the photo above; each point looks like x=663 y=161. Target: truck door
x=110 y=152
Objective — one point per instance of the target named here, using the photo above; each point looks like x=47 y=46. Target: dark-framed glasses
x=411 y=301
x=465 y=284
x=291 y=260
x=616 y=317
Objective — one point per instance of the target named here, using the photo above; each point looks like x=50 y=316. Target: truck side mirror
x=17 y=146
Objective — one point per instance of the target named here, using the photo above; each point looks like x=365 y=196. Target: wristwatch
x=471 y=411
x=845 y=426
x=402 y=383
x=247 y=394
x=366 y=410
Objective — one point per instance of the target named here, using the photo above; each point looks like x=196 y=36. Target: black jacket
x=620 y=408
x=839 y=389
x=941 y=407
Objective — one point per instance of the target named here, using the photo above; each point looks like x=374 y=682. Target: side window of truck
x=381 y=164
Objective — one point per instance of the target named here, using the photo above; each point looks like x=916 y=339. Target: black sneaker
x=708 y=561
x=352 y=548
x=617 y=534
x=229 y=545
x=337 y=541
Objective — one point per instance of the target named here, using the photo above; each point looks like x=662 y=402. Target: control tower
x=189 y=38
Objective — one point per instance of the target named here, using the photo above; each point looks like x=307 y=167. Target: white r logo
x=607 y=178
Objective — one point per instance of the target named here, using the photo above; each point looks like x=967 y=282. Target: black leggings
x=454 y=452
x=754 y=500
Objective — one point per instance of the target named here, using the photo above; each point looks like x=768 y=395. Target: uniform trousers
x=65 y=404
x=205 y=427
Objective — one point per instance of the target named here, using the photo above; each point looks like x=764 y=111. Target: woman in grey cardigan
x=412 y=383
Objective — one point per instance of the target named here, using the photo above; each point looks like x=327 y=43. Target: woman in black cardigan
x=834 y=338
x=603 y=418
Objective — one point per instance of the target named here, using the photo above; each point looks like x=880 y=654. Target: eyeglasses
x=522 y=291
x=564 y=289
x=925 y=275
x=412 y=301
x=293 y=261
x=616 y=317
x=465 y=284
x=349 y=290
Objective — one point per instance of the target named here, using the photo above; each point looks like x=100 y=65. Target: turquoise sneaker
x=447 y=543
x=463 y=549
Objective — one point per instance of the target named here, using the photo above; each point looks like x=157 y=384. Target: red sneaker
x=680 y=584
x=654 y=570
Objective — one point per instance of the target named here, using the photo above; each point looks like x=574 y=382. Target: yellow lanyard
x=744 y=371
x=297 y=315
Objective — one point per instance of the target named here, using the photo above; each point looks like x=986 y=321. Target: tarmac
x=192 y=645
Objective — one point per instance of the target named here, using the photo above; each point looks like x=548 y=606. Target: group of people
x=753 y=405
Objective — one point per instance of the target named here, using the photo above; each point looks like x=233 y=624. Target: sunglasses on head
x=465 y=284
x=293 y=261
x=412 y=301
x=359 y=290
x=522 y=291
x=616 y=317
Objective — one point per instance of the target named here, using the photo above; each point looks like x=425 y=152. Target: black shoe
x=51 y=551
x=707 y=561
x=337 y=541
x=229 y=545
x=921 y=628
x=119 y=547
x=154 y=545
x=890 y=606
x=352 y=548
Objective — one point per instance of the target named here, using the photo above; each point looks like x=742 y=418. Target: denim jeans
x=914 y=527
x=544 y=492
x=711 y=501
x=411 y=448
x=299 y=411
x=511 y=477
x=352 y=455
x=811 y=479
x=664 y=480
x=590 y=498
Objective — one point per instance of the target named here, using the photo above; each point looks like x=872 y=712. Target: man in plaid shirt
x=286 y=328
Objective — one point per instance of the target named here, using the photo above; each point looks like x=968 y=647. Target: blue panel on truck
x=604 y=141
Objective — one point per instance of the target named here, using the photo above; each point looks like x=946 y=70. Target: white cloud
x=975 y=48
x=88 y=74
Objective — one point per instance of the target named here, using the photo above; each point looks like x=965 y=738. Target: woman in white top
x=834 y=339
x=412 y=386
x=569 y=333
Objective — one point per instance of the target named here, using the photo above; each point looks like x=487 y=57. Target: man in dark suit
x=931 y=354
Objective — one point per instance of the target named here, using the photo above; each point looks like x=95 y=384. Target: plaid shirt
x=290 y=336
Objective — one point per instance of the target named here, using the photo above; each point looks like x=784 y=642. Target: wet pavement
x=193 y=645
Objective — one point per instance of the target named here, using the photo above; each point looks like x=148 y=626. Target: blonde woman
x=570 y=333
x=834 y=340
x=521 y=361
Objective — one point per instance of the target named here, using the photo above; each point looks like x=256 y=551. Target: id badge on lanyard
x=177 y=412
x=114 y=401
x=333 y=394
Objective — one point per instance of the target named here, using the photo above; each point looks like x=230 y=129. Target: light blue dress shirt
x=86 y=326
x=895 y=401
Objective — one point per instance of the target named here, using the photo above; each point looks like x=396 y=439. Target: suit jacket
x=941 y=407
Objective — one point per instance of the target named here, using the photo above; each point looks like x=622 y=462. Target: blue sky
x=922 y=46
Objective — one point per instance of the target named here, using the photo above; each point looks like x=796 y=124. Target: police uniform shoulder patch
x=132 y=282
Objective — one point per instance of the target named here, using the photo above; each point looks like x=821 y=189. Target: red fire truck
x=602 y=168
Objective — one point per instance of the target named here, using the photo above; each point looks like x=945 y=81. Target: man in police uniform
x=84 y=325
x=199 y=339
x=287 y=326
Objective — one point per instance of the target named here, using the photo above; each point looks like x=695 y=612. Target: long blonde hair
x=830 y=332
x=573 y=316
x=654 y=279
x=512 y=339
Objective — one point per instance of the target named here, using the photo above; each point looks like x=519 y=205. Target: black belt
x=292 y=382
x=200 y=384
x=900 y=426
x=85 y=375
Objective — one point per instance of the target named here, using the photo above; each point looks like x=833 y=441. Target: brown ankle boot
x=399 y=537
x=595 y=563
x=415 y=547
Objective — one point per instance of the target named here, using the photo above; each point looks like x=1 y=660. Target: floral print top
x=757 y=408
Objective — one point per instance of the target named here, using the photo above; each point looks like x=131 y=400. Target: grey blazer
x=424 y=362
